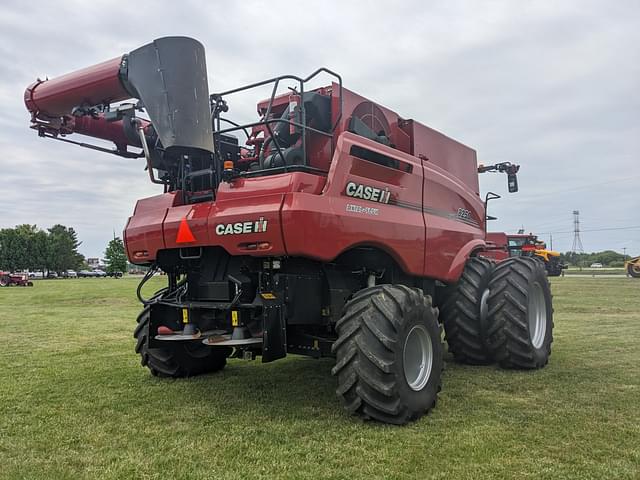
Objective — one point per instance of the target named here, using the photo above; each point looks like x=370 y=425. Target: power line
x=595 y=230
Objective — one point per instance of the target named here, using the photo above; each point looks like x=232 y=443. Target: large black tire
x=520 y=317
x=634 y=270
x=378 y=378
x=178 y=359
x=463 y=313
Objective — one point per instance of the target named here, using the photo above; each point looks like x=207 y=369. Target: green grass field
x=75 y=403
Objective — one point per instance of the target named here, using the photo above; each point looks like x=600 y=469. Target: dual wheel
x=500 y=313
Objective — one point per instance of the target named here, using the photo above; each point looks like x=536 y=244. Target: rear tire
x=520 y=329
x=634 y=270
x=464 y=311
x=388 y=354
x=184 y=359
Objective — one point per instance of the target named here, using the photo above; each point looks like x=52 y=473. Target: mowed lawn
x=75 y=403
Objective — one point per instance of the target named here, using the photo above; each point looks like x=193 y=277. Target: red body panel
x=143 y=235
x=497 y=246
x=451 y=156
x=311 y=215
x=322 y=227
x=451 y=235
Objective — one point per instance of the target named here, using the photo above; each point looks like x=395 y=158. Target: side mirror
x=512 y=182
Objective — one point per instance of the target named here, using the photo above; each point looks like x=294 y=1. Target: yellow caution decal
x=185 y=315
x=234 y=318
x=268 y=296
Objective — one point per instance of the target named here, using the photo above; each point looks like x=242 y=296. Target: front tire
x=388 y=354
x=520 y=316
x=178 y=360
x=634 y=269
x=464 y=311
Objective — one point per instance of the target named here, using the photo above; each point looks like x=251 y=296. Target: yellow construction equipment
x=632 y=266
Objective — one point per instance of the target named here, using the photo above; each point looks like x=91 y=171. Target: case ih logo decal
x=366 y=192
x=238 y=228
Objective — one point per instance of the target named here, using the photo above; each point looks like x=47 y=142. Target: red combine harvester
x=336 y=228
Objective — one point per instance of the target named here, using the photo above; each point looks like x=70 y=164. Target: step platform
x=227 y=341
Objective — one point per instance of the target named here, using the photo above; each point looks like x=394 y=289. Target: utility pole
x=624 y=250
x=550 y=241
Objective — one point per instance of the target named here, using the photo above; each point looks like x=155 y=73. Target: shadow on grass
x=293 y=387
x=296 y=387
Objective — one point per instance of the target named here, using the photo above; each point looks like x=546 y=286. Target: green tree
x=62 y=249
x=26 y=247
x=115 y=256
x=22 y=248
x=606 y=258
x=11 y=249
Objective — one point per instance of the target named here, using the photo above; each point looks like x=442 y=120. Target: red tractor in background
x=502 y=246
x=8 y=279
x=335 y=228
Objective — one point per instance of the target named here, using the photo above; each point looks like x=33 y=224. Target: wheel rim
x=417 y=357
x=484 y=306
x=537 y=313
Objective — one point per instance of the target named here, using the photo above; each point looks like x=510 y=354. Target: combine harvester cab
x=328 y=226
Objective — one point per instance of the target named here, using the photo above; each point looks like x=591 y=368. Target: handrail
x=267 y=122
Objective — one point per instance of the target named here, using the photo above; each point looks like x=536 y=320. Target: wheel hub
x=537 y=315
x=417 y=357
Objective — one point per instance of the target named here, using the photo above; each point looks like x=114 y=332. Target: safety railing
x=219 y=104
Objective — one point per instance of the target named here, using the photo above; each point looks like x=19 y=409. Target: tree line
x=608 y=258
x=26 y=247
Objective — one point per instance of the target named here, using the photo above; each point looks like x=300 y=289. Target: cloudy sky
x=551 y=85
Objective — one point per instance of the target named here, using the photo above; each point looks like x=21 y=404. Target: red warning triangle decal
x=184 y=233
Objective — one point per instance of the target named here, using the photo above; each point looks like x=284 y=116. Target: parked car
x=86 y=274
x=52 y=275
x=69 y=274
x=99 y=273
x=36 y=275
x=114 y=274
x=595 y=265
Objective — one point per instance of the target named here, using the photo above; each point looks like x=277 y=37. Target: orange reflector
x=184 y=233
x=228 y=165
x=264 y=246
